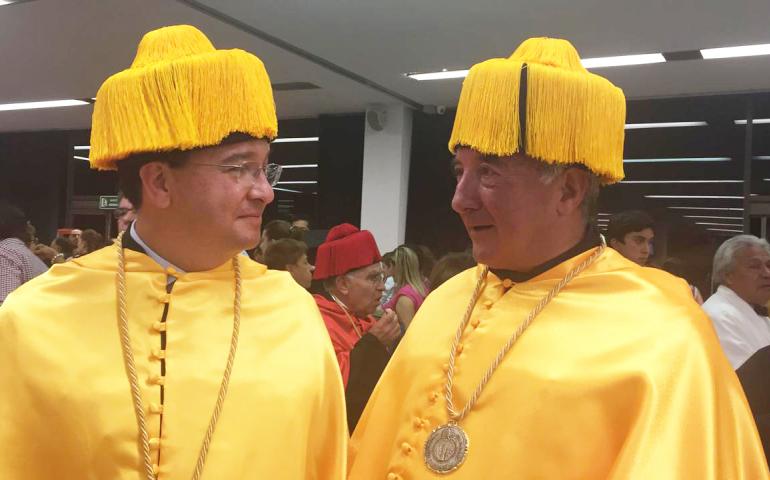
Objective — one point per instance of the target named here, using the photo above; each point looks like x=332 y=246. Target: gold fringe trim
x=180 y=94
x=488 y=114
x=573 y=116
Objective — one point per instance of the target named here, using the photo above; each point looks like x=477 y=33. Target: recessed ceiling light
x=605 y=214
x=298 y=182
x=730 y=197
x=755 y=121
x=680 y=181
x=307 y=165
x=45 y=104
x=731 y=209
x=732 y=52
x=82 y=147
x=623 y=60
x=681 y=159
x=713 y=217
x=724 y=230
x=442 y=75
x=81 y=158
x=295 y=140
x=638 y=126
x=286 y=190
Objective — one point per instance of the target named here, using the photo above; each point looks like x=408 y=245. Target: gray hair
x=724 y=259
x=549 y=171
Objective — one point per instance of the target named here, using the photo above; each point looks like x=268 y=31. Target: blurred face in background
x=124 y=214
x=361 y=289
x=750 y=277
x=636 y=246
x=302 y=271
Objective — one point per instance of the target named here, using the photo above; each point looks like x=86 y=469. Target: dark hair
x=450 y=265
x=92 y=239
x=388 y=259
x=285 y=251
x=129 y=181
x=13 y=222
x=623 y=223
x=278 y=229
x=64 y=245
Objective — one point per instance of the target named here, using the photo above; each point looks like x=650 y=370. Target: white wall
x=386 y=178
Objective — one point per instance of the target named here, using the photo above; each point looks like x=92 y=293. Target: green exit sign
x=109 y=202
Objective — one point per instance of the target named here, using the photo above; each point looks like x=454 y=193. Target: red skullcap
x=346 y=248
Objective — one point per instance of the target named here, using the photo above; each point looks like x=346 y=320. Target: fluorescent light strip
x=307 y=165
x=732 y=209
x=724 y=230
x=755 y=121
x=761 y=157
x=733 y=52
x=639 y=126
x=596 y=62
x=719 y=224
x=442 y=75
x=724 y=197
x=298 y=182
x=82 y=158
x=682 y=181
x=286 y=190
x=623 y=60
x=605 y=214
x=6 y=2
x=713 y=217
x=46 y=104
x=681 y=159
x=82 y=147
x=295 y=140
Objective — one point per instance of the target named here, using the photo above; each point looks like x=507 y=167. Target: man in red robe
x=348 y=262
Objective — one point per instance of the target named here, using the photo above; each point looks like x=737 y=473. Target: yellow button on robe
x=65 y=403
x=620 y=377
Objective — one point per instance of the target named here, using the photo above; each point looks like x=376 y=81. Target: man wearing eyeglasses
x=171 y=355
x=349 y=264
x=124 y=214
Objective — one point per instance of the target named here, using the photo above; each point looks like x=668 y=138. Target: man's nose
x=466 y=195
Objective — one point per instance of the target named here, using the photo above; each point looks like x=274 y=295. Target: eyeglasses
x=375 y=278
x=249 y=172
x=120 y=212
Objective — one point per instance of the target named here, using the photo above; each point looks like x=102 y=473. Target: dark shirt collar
x=590 y=240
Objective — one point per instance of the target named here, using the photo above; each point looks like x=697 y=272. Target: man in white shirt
x=739 y=313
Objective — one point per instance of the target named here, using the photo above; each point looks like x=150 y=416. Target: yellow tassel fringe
x=179 y=94
x=573 y=116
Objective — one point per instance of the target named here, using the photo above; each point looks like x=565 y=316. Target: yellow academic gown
x=65 y=403
x=620 y=377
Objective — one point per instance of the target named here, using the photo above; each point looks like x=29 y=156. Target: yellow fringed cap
x=180 y=93
x=571 y=116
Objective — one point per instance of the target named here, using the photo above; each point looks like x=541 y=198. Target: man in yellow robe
x=171 y=355
x=555 y=357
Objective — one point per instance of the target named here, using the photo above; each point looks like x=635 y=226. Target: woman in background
x=411 y=287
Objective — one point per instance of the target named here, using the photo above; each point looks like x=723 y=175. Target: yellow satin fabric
x=65 y=404
x=620 y=377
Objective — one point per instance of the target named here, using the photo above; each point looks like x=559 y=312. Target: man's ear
x=574 y=184
x=155 y=184
x=341 y=282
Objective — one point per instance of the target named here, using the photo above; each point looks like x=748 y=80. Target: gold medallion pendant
x=446 y=448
